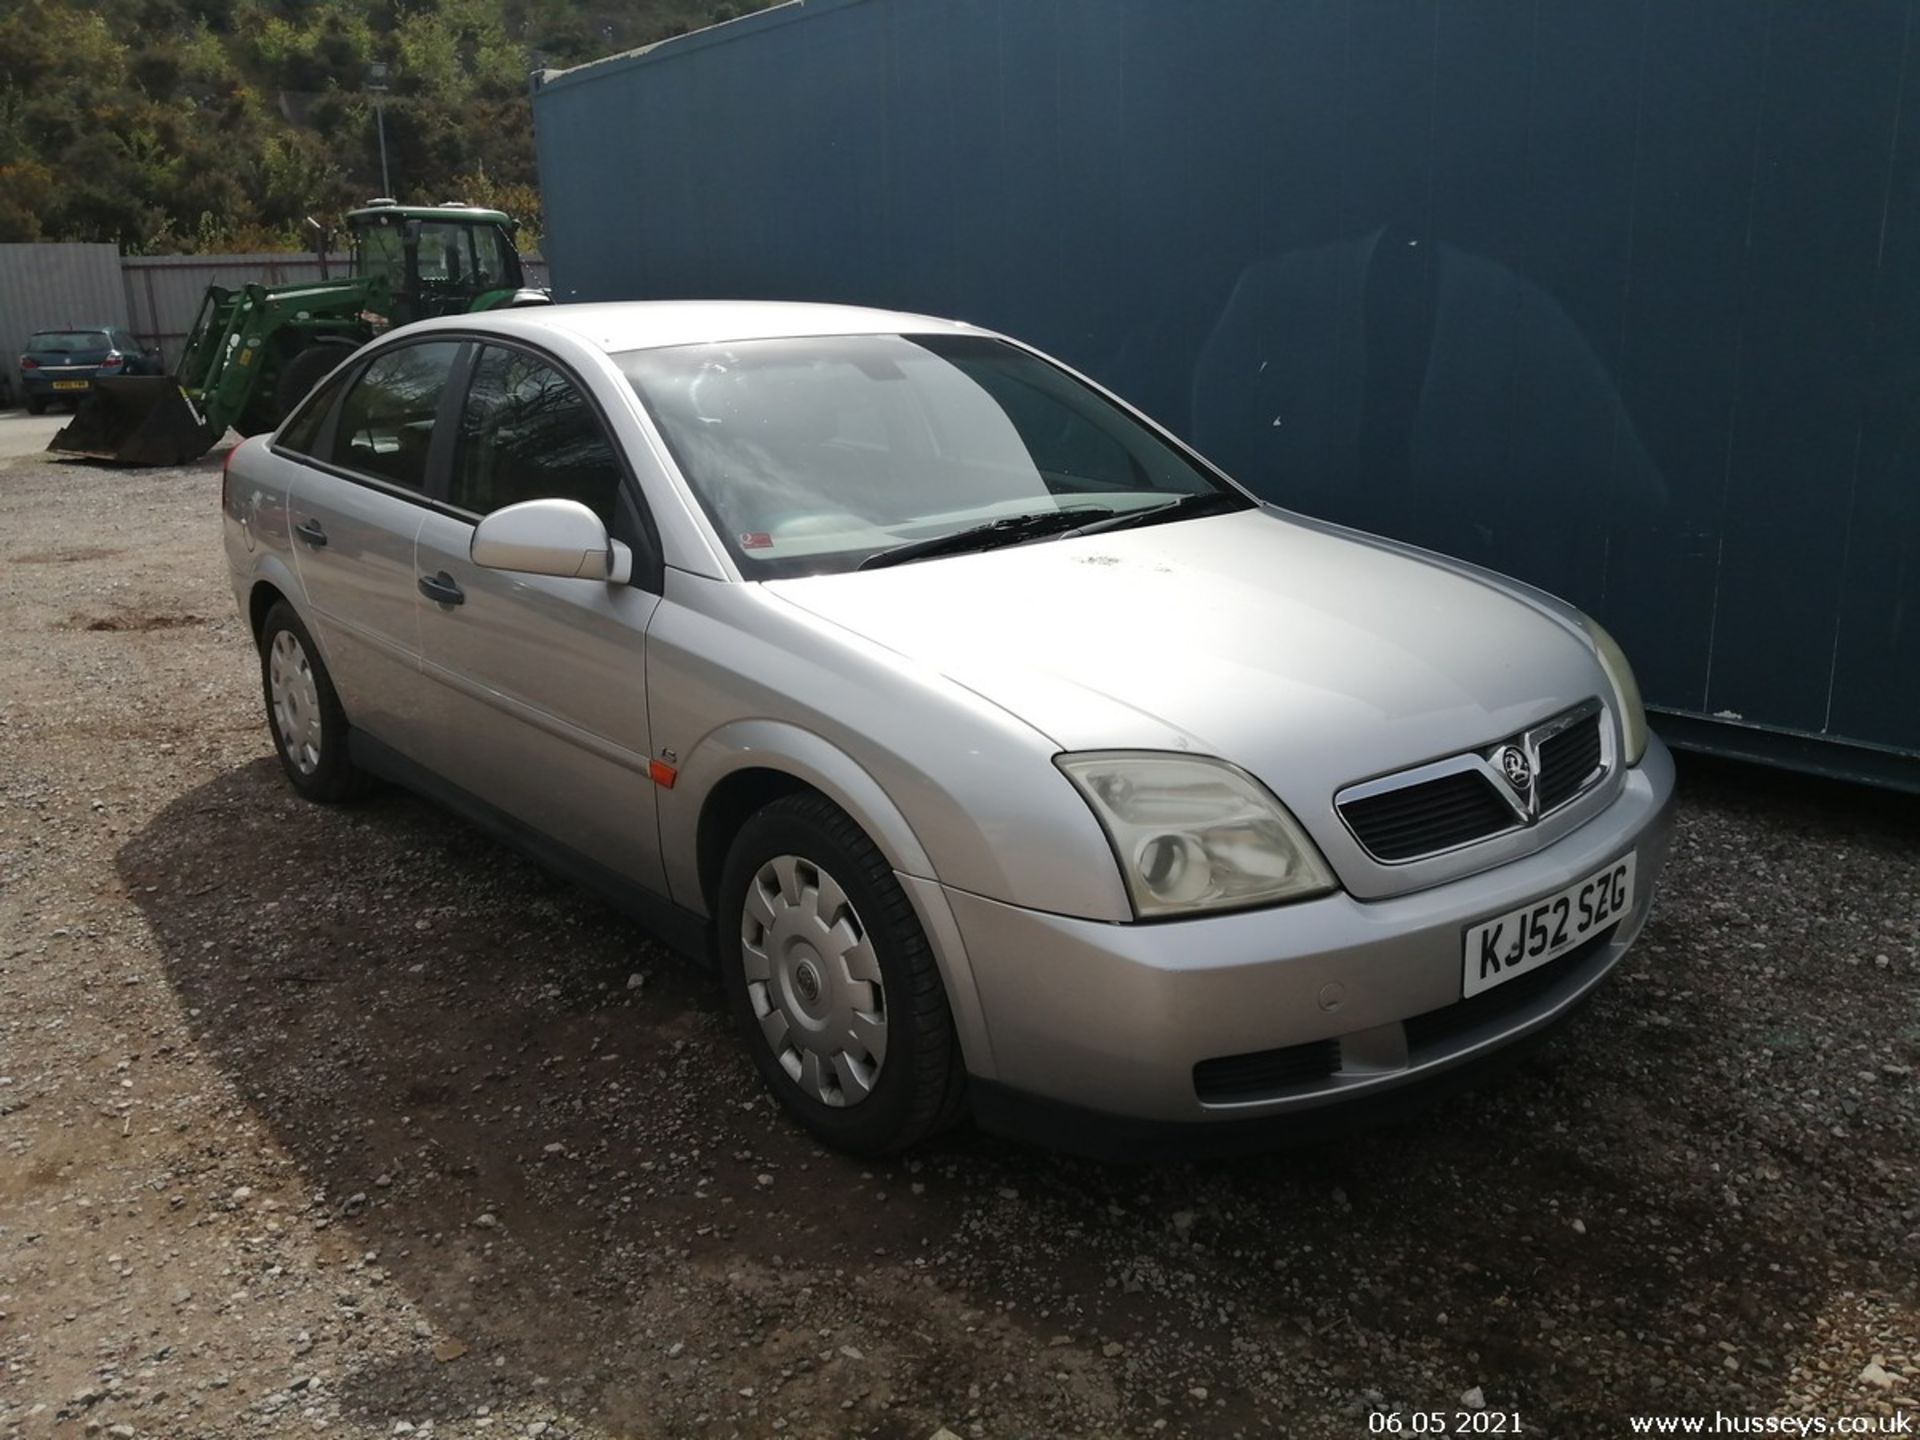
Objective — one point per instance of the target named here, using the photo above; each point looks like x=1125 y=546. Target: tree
x=215 y=124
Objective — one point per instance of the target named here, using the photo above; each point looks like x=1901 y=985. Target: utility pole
x=377 y=74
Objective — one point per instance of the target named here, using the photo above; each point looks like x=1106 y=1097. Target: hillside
x=207 y=125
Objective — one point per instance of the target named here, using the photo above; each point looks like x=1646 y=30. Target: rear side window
x=386 y=418
x=527 y=433
x=302 y=433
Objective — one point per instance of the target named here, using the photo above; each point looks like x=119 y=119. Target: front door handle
x=311 y=532
x=441 y=590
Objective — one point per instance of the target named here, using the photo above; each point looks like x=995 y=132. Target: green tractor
x=255 y=352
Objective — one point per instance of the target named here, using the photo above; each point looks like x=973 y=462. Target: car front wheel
x=832 y=982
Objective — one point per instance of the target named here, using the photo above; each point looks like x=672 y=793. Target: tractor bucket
x=135 y=420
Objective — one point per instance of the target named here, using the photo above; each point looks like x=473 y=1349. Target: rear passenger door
x=355 y=506
x=541 y=682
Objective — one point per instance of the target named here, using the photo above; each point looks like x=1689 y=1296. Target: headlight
x=1194 y=834
x=1626 y=690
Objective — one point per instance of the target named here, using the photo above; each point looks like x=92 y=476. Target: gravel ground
x=349 y=1120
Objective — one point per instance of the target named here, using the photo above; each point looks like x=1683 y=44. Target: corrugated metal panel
x=44 y=286
x=1623 y=299
x=163 y=292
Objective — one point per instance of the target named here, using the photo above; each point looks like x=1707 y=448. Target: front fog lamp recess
x=1196 y=834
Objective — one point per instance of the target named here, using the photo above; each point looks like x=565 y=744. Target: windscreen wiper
x=1187 y=507
x=1008 y=530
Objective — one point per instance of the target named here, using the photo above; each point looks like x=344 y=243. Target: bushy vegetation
x=202 y=125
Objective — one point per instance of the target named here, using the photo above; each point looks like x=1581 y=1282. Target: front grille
x=1568 y=761
x=1433 y=815
x=1260 y=1074
x=1475 y=796
x=1438 y=1028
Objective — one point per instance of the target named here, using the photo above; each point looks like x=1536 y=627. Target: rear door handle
x=311 y=532
x=441 y=590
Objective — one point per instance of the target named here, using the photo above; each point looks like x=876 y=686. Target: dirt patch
x=135 y=621
x=66 y=557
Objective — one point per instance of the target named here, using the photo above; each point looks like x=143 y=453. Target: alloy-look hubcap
x=814 y=981
x=295 y=698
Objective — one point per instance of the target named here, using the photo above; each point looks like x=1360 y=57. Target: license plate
x=69 y=384
x=1527 y=938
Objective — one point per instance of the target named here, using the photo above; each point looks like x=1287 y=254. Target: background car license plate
x=69 y=384
x=1527 y=938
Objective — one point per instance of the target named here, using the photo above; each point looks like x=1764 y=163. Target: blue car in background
x=63 y=364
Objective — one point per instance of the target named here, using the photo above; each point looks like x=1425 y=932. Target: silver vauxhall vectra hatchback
x=1005 y=756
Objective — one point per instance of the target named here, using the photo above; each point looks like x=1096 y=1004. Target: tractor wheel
x=305 y=369
x=256 y=419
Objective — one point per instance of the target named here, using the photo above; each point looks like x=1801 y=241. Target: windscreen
x=810 y=455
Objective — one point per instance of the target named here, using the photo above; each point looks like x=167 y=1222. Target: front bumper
x=1358 y=997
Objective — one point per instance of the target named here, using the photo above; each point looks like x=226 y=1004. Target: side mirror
x=551 y=537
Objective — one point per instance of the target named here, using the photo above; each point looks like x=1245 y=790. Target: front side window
x=527 y=433
x=386 y=419
x=383 y=254
x=812 y=455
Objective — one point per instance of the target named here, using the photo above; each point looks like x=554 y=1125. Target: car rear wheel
x=303 y=712
x=36 y=405
x=832 y=982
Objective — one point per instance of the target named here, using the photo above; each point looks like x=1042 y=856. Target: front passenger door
x=541 y=682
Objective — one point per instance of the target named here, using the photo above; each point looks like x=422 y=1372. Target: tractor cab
x=438 y=259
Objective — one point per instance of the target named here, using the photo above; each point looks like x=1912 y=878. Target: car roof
x=653 y=324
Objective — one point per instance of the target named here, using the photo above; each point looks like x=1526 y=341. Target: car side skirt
x=680 y=929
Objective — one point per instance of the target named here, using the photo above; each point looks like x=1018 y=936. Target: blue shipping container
x=1620 y=298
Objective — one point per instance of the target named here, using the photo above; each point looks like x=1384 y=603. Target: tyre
x=36 y=405
x=303 y=712
x=304 y=370
x=832 y=982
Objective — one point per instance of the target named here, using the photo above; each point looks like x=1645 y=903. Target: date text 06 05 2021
x=1444 y=1422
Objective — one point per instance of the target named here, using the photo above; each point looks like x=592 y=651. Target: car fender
x=258 y=531
x=271 y=569
x=788 y=748
x=765 y=744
